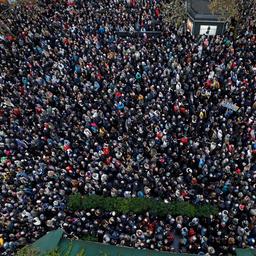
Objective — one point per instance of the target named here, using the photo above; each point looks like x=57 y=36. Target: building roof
x=201 y=7
x=199 y=10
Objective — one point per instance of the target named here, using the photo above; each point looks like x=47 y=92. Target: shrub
x=30 y=251
x=27 y=251
x=90 y=238
x=75 y=201
x=139 y=206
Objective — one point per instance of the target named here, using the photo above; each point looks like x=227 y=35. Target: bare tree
x=174 y=12
x=228 y=9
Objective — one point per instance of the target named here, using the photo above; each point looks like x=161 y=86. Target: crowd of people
x=171 y=116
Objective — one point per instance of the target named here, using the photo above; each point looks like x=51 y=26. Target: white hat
x=37 y=222
x=253 y=212
x=211 y=250
x=95 y=176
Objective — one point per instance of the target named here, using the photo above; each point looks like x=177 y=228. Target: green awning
x=93 y=249
x=245 y=252
x=48 y=242
x=54 y=240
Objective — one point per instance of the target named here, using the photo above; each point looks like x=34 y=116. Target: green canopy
x=92 y=249
x=54 y=240
x=245 y=252
x=48 y=242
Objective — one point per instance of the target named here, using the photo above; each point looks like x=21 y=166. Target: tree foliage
x=27 y=250
x=90 y=238
x=174 y=12
x=30 y=251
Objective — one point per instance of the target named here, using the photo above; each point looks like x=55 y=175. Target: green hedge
x=139 y=206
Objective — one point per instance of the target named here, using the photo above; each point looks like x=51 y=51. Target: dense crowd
x=83 y=110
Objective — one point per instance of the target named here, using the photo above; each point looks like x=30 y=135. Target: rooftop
x=199 y=10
